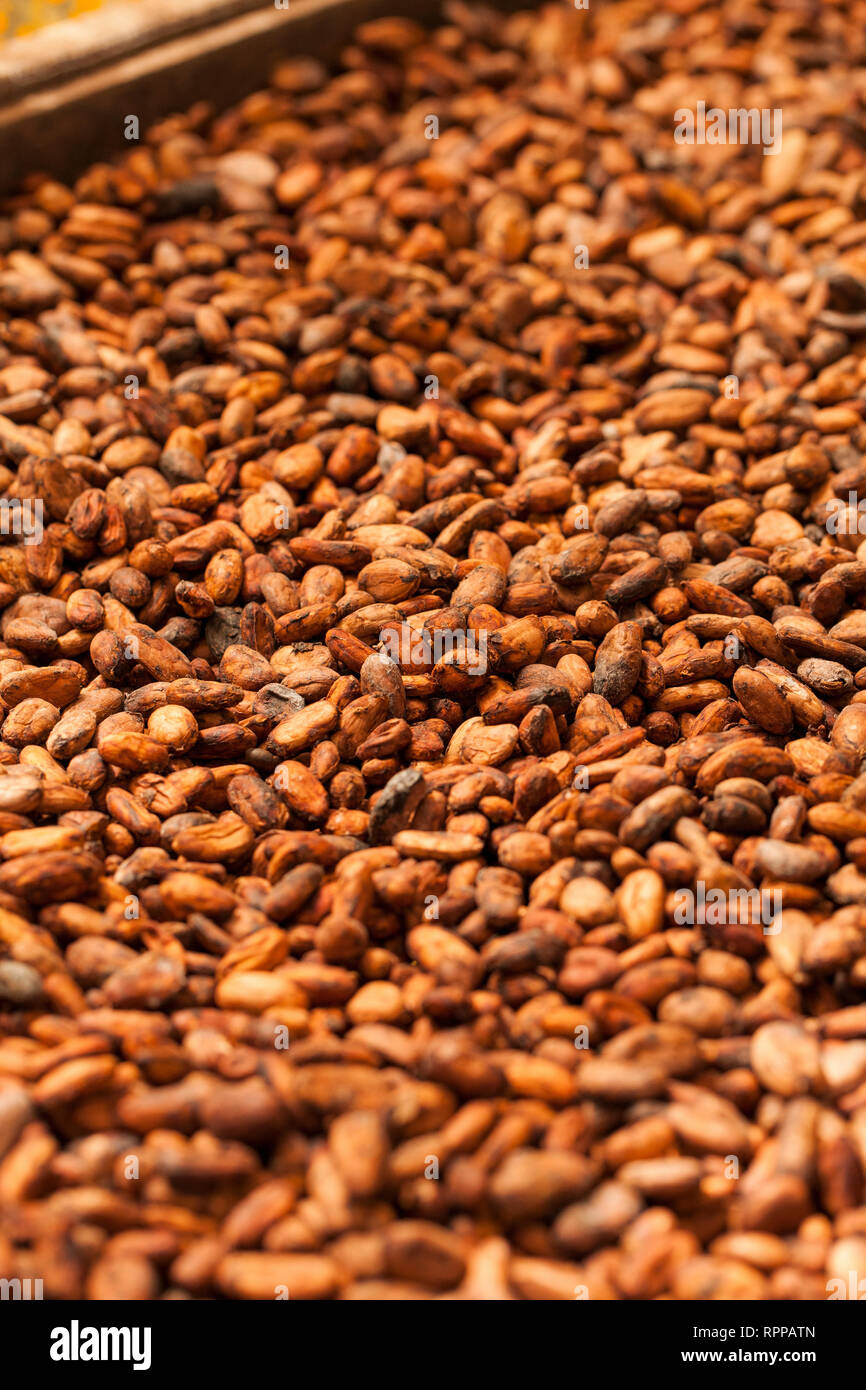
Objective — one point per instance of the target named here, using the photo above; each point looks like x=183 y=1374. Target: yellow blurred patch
x=26 y=16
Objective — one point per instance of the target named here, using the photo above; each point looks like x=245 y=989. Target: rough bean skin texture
x=432 y=679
